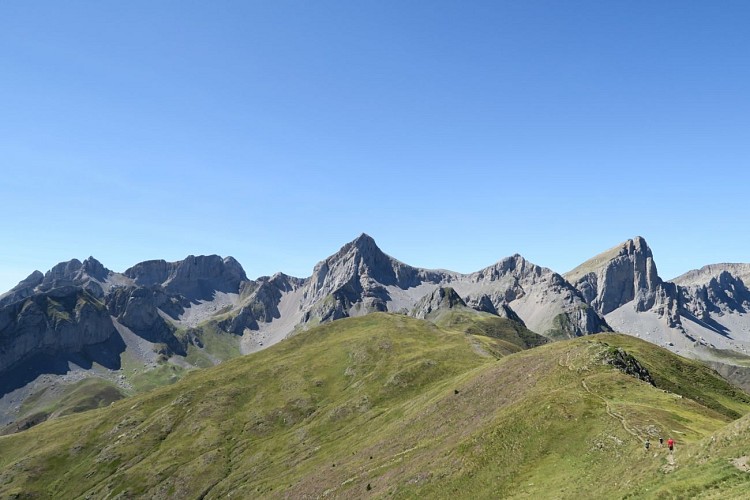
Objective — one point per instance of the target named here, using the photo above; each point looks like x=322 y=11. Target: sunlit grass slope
x=386 y=405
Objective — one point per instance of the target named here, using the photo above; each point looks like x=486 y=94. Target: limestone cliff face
x=147 y=312
x=440 y=298
x=360 y=278
x=196 y=278
x=716 y=292
x=65 y=319
x=544 y=301
x=628 y=273
x=149 y=299
x=622 y=274
x=155 y=298
x=356 y=278
x=261 y=299
x=89 y=274
x=23 y=290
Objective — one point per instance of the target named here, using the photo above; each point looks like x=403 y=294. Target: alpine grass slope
x=388 y=405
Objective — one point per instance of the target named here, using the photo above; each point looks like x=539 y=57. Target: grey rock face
x=197 y=278
x=89 y=274
x=358 y=274
x=23 y=290
x=622 y=274
x=148 y=298
x=702 y=276
x=722 y=293
x=33 y=280
x=65 y=319
x=549 y=304
x=261 y=303
x=139 y=309
x=150 y=272
x=441 y=298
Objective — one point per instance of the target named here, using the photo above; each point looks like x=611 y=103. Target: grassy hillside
x=500 y=336
x=54 y=402
x=386 y=405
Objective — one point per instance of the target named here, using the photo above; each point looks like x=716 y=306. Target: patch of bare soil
x=742 y=463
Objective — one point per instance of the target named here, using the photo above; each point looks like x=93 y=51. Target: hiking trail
x=611 y=412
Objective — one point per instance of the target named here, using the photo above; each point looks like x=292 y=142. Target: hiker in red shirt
x=670 y=444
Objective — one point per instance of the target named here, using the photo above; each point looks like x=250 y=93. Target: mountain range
x=156 y=320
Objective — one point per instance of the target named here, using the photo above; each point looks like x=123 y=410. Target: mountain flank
x=389 y=405
x=154 y=322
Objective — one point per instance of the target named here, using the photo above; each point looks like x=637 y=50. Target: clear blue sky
x=455 y=133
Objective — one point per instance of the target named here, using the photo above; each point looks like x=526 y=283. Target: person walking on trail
x=647 y=444
x=661 y=441
x=670 y=444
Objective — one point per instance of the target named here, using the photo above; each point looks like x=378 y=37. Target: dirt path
x=611 y=412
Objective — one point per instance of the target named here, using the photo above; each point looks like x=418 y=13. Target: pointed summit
x=441 y=298
x=364 y=240
x=95 y=269
x=617 y=276
x=362 y=257
x=363 y=244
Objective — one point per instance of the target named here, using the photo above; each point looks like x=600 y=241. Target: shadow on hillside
x=710 y=324
x=106 y=354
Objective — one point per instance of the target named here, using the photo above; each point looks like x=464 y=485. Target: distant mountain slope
x=704 y=275
x=387 y=405
x=620 y=275
x=360 y=278
x=159 y=319
x=699 y=314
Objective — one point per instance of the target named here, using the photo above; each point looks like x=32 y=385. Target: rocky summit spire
x=623 y=273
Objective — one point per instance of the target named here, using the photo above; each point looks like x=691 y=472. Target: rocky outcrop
x=89 y=274
x=196 y=278
x=520 y=290
x=722 y=293
x=441 y=298
x=626 y=274
x=620 y=275
x=627 y=363
x=705 y=274
x=357 y=276
x=65 y=319
x=23 y=290
x=142 y=309
x=261 y=302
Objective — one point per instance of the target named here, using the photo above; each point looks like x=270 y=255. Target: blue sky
x=455 y=133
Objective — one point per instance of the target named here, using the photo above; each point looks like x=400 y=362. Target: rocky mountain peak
x=32 y=280
x=194 y=277
x=440 y=298
x=358 y=259
x=95 y=269
x=365 y=243
x=705 y=274
x=62 y=272
x=623 y=273
x=364 y=250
